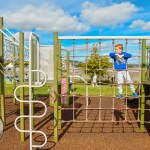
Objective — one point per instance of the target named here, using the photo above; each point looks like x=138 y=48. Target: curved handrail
x=28 y=131
x=30 y=86
x=87 y=100
x=75 y=76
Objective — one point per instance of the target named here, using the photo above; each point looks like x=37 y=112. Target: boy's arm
x=127 y=55
x=112 y=55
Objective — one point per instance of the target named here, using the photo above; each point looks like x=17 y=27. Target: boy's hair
x=120 y=46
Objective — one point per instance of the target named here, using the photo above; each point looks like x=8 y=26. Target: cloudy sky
x=77 y=17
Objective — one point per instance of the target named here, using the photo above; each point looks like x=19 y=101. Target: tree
x=95 y=63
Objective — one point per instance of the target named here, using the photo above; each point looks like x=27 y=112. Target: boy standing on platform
x=120 y=65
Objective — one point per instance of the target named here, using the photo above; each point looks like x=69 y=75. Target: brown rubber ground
x=81 y=136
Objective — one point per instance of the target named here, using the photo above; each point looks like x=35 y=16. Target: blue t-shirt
x=120 y=63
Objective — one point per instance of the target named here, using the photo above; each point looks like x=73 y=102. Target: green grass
x=42 y=90
x=106 y=90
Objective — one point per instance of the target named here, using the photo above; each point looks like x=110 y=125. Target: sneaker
x=120 y=96
x=135 y=95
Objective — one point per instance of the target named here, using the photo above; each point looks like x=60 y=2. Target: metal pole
x=33 y=60
x=2 y=85
x=30 y=89
x=143 y=77
x=21 y=71
x=14 y=69
x=68 y=78
x=59 y=84
x=33 y=56
x=55 y=88
x=32 y=105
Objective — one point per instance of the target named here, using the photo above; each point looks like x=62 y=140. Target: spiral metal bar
x=30 y=101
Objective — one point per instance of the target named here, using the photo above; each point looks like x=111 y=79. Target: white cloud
x=105 y=46
x=46 y=17
x=109 y=15
x=141 y=24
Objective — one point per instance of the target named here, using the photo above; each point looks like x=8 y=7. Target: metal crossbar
x=103 y=37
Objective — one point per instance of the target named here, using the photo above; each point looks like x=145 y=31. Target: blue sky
x=77 y=17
